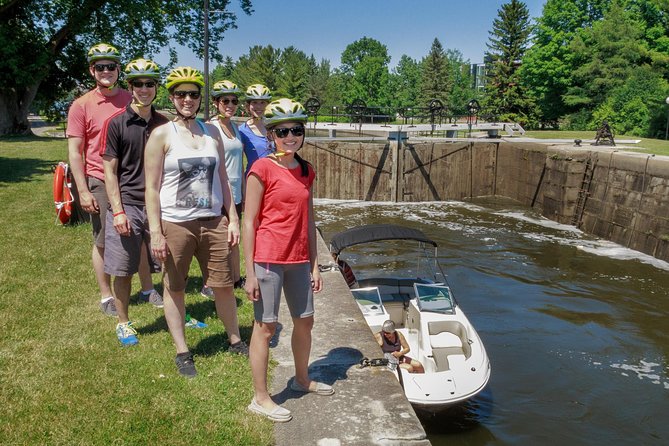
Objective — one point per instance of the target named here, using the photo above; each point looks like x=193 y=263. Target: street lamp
x=206 y=57
x=666 y=132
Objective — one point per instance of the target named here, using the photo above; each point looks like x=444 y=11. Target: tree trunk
x=14 y=108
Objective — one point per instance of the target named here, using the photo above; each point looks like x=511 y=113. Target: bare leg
x=175 y=314
x=259 y=358
x=226 y=308
x=301 y=345
x=103 y=279
x=122 y=297
x=145 y=279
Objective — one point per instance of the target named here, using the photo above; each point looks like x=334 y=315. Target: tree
x=462 y=89
x=435 y=82
x=320 y=82
x=223 y=71
x=364 y=71
x=509 y=39
x=405 y=82
x=43 y=43
x=259 y=66
x=294 y=74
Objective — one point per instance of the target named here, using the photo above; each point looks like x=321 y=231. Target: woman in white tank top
x=186 y=190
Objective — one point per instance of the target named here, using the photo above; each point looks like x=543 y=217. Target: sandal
x=319 y=388
x=278 y=414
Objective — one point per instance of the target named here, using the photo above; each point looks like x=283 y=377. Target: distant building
x=478 y=72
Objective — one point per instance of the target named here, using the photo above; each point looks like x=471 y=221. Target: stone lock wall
x=615 y=195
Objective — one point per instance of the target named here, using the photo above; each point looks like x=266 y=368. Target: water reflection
x=575 y=327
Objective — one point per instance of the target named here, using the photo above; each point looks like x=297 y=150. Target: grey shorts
x=294 y=279
x=97 y=188
x=122 y=253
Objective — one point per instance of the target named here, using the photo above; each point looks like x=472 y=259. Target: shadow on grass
x=17 y=170
x=329 y=369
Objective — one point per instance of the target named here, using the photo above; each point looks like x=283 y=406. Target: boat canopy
x=374 y=233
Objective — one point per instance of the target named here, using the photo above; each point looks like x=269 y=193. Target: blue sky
x=324 y=29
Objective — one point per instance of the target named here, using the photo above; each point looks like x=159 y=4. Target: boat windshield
x=434 y=298
x=369 y=301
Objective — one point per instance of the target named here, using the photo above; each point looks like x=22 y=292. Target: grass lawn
x=64 y=379
x=647 y=145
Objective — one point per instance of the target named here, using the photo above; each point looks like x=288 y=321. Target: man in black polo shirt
x=126 y=232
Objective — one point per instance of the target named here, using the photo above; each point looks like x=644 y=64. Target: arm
x=154 y=157
x=228 y=200
x=405 y=346
x=254 y=193
x=377 y=336
x=75 y=147
x=121 y=223
x=316 y=279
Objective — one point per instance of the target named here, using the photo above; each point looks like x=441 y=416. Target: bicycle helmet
x=142 y=68
x=225 y=87
x=184 y=75
x=258 y=92
x=284 y=110
x=103 y=51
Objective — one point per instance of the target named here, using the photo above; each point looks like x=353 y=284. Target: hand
x=159 y=248
x=398 y=355
x=233 y=233
x=89 y=203
x=252 y=288
x=316 y=280
x=122 y=225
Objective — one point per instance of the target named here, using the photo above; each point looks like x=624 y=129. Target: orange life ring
x=62 y=196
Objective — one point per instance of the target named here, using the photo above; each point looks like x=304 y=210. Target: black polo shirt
x=126 y=136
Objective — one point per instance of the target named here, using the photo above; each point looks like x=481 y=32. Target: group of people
x=161 y=191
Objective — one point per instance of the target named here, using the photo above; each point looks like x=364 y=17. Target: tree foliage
x=364 y=72
x=435 y=79
x=509 y=39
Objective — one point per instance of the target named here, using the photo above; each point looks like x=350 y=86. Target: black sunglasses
x=140 y=84
x=227 y=101
x=182 y=94
x=282 y=132
x=100 y=67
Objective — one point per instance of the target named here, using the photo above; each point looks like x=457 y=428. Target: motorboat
x=424 y=309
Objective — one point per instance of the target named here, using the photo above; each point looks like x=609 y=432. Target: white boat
x=426 y=312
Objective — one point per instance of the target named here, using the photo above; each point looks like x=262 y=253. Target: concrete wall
x=618 y=196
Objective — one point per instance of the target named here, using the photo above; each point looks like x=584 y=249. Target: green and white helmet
x=257 y=92
x=224 y=87
x=184 y=75
x=284 y=110
x=142 y=68
x=103 y=51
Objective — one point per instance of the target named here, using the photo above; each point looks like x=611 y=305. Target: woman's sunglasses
x=182 y=94
x=227 y=101
x=282 y=132
x=100 y=67
x=140 y=84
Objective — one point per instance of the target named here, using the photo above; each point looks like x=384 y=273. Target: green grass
x=64 y=379
x=647 y=145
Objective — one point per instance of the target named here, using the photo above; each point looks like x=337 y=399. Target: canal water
x=576 y=328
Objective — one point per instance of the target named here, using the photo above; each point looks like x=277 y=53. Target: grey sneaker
x=239 y=348
x=207 y=292
x=154 y=298
x=108 y=307
x=186 y=364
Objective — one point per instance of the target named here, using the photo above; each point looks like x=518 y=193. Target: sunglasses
x=140 y=84
x=100 y=67
x=282 y=132
x=182 y=94
x=227 y=101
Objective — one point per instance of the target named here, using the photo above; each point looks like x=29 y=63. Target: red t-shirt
x=282 y=235
x=86 y=119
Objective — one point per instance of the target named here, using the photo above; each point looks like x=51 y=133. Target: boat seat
x=445 y=339
x=446 y=357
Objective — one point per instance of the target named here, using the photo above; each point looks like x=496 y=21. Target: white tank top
x=234 y=150
x=191 y=186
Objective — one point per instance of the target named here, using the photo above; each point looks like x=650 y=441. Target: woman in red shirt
x=280 y=252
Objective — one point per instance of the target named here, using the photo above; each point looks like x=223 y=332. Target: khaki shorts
x=97 y=188
x=207 y=238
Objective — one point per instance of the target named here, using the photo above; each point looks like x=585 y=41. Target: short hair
x=389 y=326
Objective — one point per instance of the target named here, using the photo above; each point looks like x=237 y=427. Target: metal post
x=206 y=60
x=666 y=132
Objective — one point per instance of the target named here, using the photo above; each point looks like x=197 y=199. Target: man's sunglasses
x=227 y=101
x=182 y=94
x=140 y=84
x=100 y=67
x=282 y=132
